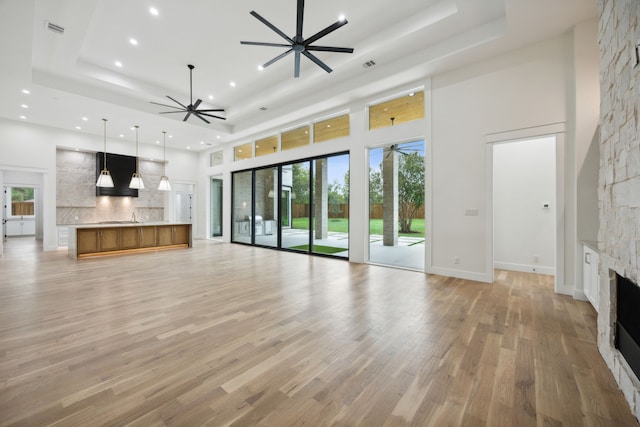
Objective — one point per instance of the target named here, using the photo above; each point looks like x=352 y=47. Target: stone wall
x=76 y=200
x=619 y=182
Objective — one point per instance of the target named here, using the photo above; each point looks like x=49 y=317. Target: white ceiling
x=73 y=75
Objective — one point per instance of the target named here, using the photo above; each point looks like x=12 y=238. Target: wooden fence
x=22 y=208
x=300 y=210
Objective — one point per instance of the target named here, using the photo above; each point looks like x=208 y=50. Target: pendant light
x=136 y=178
x=105 y=180
x=164 y=185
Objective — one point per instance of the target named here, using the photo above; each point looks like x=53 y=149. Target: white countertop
x=123 y=224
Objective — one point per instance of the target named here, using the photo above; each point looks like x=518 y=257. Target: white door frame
x=555 y=129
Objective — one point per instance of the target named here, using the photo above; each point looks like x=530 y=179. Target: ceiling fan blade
x=179 y=103
x=165 y=105
x=202 y=118
x=270 y=25
x=296 y=70
x=330 y=49
x=211 y=115
x=317 y=61
x=300 y=18
x=170 y=112
x=277 y=58
x=211 y=110
x=197 y=103
x=266 y=44
x=187 y=116
x=331 y=28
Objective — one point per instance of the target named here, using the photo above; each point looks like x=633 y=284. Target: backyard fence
x=341 y=210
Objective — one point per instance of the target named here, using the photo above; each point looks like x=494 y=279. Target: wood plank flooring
x=229 y=335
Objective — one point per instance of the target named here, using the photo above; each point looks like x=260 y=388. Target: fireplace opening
x=627 y=338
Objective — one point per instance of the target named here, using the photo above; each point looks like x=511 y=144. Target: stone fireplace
x=619 y=182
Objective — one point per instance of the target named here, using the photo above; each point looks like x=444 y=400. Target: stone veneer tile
x=76 y=200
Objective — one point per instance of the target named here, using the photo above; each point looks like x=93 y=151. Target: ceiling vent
x=53 y=27
x=369 y=64
x=263 y=108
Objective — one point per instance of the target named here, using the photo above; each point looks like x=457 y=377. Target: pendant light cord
x=105 y=143
x=164 y=153
x=137 y=172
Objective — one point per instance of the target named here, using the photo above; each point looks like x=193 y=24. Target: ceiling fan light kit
x=298 y=44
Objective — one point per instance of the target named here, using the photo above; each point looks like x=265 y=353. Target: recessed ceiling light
x=121 y=135
x=132 y=128
x=188 y=147
x=411 y=94
x=328 y=126
x=24 y=106
x=118 y=64
x=26 y=91
x=77 y=149
x=201 y=142
x=78 y=127
x=342 y=18
x=260 y=68
x=23 y=117
x=211 y=97
x=84 y=119
x=218 y=136
x=133 y=41
x=157 y=142
x=153 y=11
x=170 y=136
x=233 y=84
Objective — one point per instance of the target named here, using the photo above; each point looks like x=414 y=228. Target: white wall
x=529 y=88
x=30 y=148
x=523 y=89
x=523 y=182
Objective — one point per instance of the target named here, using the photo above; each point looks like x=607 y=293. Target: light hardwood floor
x=225 y=334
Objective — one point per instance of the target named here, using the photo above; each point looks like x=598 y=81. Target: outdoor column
x=321 y=200
x=389 y=197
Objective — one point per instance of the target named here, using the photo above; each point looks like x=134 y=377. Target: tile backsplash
x=76 y=200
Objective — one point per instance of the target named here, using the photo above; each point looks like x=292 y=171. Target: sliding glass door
x=242 y=202
x=266 y=207
x=295 y=181
x=312 y=214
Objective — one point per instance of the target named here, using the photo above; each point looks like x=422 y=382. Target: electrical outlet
x=536 y=258
x=456 y=260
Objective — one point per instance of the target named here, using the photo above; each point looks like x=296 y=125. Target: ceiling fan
x=405 y=149
x=300 y=45
x=191 y=108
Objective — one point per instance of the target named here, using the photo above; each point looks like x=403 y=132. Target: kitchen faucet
x=133 y=216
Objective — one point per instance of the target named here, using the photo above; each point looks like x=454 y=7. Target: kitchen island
x=119 y=237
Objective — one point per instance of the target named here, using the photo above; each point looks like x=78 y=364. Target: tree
x=410 y=188
x=375 y=186
x=300 y=172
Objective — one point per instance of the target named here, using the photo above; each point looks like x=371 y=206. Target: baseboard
x=460 y=274
x=524 y=268
x=579 y=295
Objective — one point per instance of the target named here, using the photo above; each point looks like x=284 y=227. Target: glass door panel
x=242 y=203
x=266 y=207
x=216 y=207
x=330 y=206
x=295 y=187
x=396 y=205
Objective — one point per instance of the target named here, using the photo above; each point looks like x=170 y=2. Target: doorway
x=524 y=205
x=397 y=222
x=19 y=211
x=184 y=203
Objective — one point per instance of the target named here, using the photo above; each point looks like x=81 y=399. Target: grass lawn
x=341 y=225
